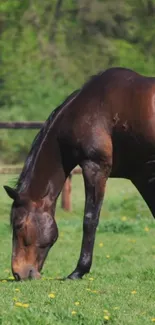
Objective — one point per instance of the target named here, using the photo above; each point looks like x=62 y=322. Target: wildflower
x=19 y=304
x=76 y=303
x=51 y=295
x=105 y=311
x=14 y=298
x=17 y=290
x=88 y=289
x=4 y=281
x=132 y=240
x=124 y=218
x=153 y=319
x=146 y=229
x=133 y=292
x=25 y=305
x=91 y=279
x=74 y=312
x=107 y=256
x=94 y=291
x=106 y=317
x=100 y=244
x=115 y=308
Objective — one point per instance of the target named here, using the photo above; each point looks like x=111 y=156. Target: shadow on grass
x=7 y=280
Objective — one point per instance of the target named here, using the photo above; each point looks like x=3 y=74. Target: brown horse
x=108 y=128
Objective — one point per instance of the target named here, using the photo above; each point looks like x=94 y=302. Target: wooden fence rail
x=21 y=125
x=66 y=202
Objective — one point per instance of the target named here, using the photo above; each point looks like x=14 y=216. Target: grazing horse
x=108 y=128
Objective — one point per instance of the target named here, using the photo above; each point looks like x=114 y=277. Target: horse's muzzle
x=27 y=273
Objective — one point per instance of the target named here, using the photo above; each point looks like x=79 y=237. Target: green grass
x=124 y=262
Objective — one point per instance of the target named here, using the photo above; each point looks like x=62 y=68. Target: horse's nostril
x=17 y=277
x=30 y=274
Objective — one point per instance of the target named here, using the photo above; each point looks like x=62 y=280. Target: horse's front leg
x=95 y=177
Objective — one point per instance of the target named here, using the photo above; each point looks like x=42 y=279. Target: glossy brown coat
x=108 y=128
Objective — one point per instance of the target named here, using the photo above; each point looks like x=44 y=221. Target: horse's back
x=122 y=99
x=130 y=101
x=114 y=116
x=119 y=99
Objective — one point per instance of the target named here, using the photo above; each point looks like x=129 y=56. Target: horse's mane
x=37 y=144
x=38 y=141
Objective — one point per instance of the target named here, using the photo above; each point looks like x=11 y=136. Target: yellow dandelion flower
x=91 y=279
x=106 y=317
x=133 y=292
x=51 y=295
x=18 y=304
x=105 y=311
x=74 y=312
x=100 y=244
x=132 y=240
x=17 y=290
x=153 y=319
x=11 y=278
x=146 y=229
x=25 y=305
x=107 y=256
x=124 y=218
x=76 y=303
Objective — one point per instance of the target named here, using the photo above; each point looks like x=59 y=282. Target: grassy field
x=119 y=290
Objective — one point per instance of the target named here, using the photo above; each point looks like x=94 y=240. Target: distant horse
x=108 y=128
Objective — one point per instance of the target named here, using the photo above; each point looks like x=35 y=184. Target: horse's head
x=34 y=232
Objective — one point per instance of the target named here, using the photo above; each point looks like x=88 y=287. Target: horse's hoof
x=74 y=276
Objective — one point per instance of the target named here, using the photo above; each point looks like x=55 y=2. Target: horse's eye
x=18 y=225
x=26 y=242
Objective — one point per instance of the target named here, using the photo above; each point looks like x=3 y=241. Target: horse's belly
x=131 y=151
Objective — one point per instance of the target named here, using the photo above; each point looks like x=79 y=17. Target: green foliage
x=49 y=48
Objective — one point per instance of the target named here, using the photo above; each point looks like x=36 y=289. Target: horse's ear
x=13 y=194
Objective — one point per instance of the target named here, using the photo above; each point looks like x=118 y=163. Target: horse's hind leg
x=95 y=177
x=146 y=189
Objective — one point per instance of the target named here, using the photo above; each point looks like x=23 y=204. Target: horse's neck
x=49 y=173
x=50 y=166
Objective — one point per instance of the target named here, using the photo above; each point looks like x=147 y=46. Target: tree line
x=50 y=48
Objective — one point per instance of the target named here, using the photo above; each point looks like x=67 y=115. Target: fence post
x=66 y=203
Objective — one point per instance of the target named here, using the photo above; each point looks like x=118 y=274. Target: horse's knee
x=89 y=223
